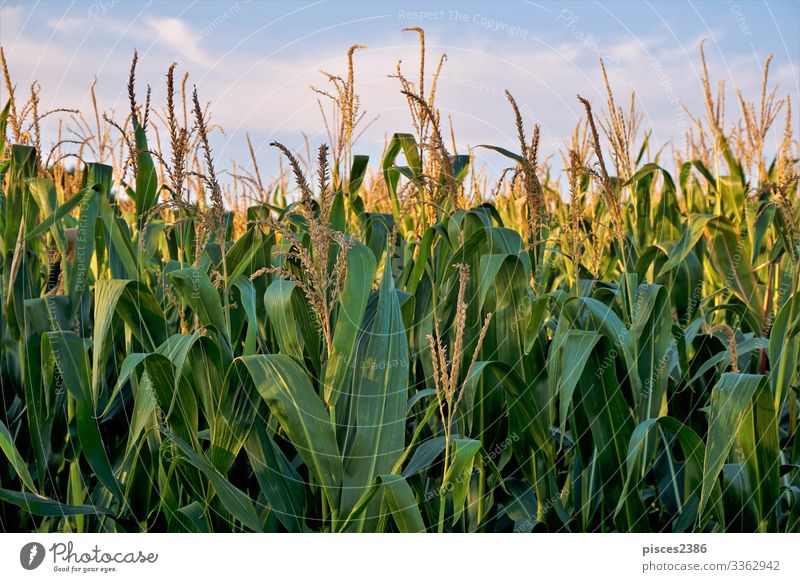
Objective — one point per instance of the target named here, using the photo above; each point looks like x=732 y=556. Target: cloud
x=67 y=25
x=11 y=20
x=176 y=35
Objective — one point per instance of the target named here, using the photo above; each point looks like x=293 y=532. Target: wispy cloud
x=67 y=25
x=178 y=36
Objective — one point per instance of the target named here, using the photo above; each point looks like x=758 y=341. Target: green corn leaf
x=233 y=499
x=73 y=364
x=688 y=483
x=353 y=301
x=280 y=482
x=195 y=288
x=459 y=473
x=695 y=226
x=16 y=460
x=401 y=502
x=378 y=398
x=47 y=507
x=286 y=389
x=733 y=419
x=146 y=177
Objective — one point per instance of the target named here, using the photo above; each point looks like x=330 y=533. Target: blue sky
x=254 y=61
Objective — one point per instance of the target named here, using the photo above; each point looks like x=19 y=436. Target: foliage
x=622 y=358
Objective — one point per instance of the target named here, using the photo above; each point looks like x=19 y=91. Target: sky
x=255 y=61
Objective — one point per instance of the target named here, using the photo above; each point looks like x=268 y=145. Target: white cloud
x=67 y=25
x=178 y=36
x=11 y=20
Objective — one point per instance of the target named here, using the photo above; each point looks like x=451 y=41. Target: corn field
x=405 y=344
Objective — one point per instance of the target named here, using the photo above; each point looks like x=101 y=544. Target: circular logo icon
x=31 y=555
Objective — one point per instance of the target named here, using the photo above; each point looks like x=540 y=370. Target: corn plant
x=402 y=351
